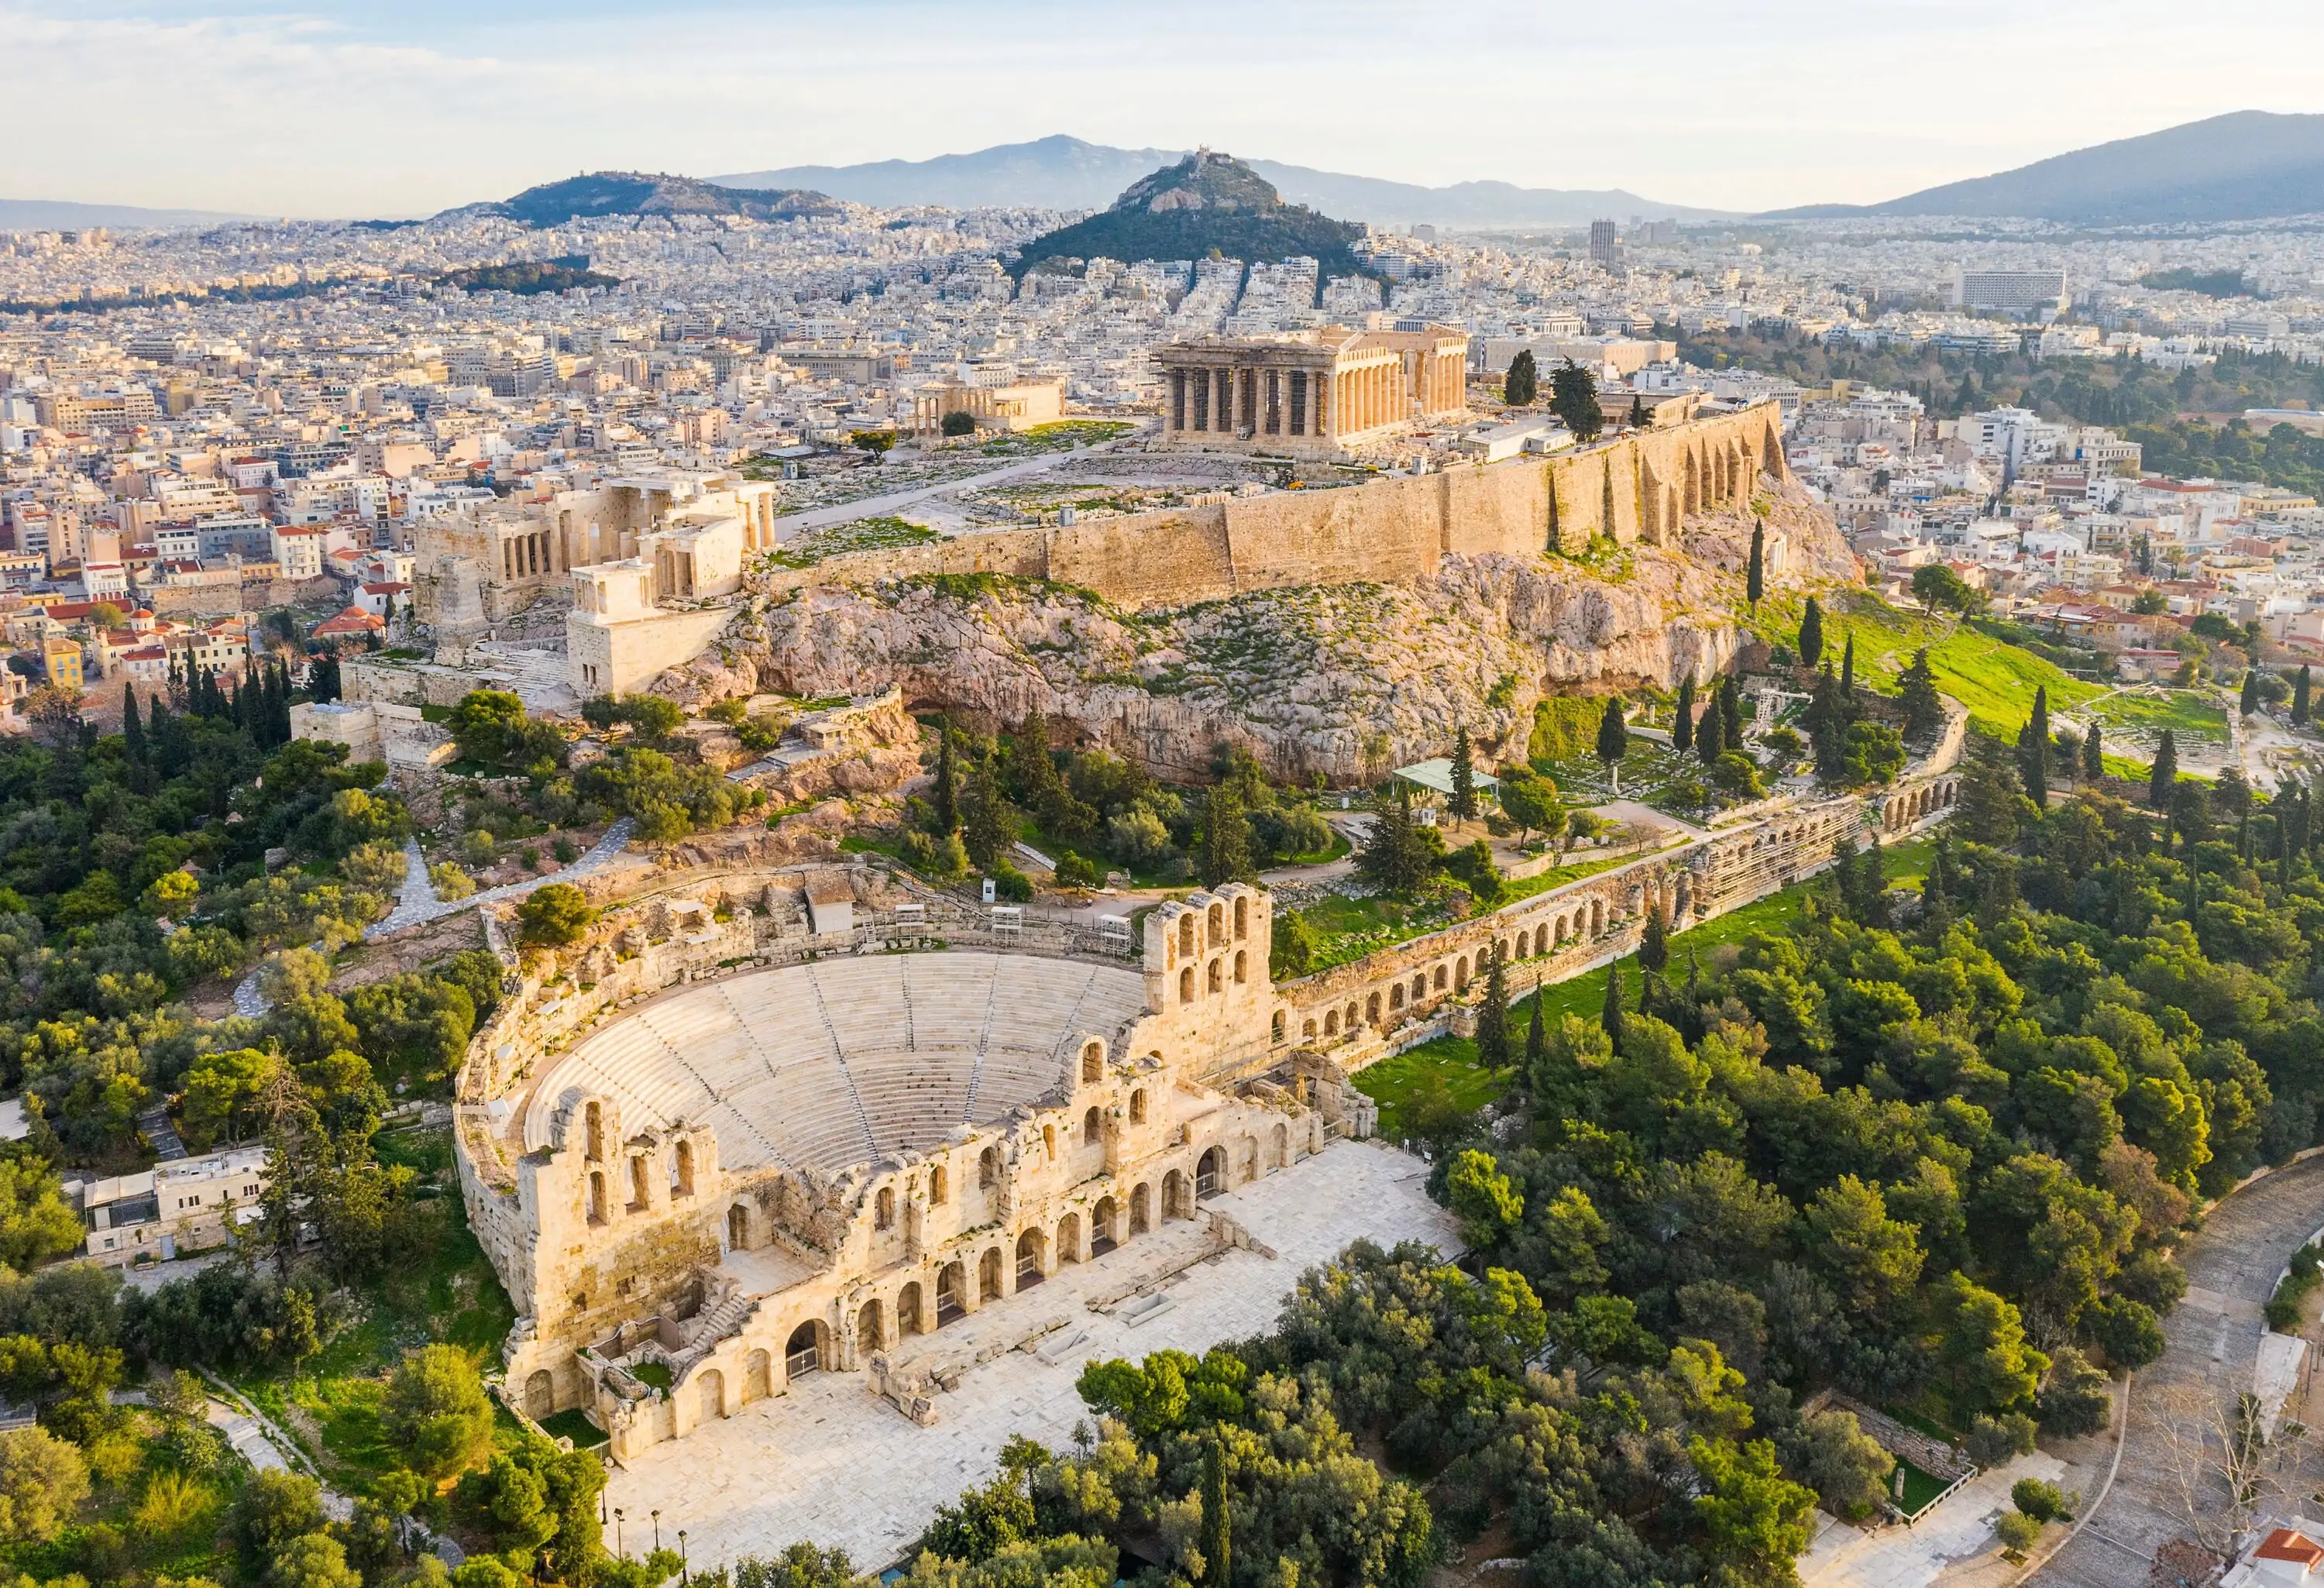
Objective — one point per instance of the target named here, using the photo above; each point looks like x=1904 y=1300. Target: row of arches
x=1215 y=978
x=1908 y=809
x=1213 y=928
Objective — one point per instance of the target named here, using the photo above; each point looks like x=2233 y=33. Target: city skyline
x=392 y=111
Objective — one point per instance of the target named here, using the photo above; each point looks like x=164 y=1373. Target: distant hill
x=1066 y=173
x=529 y=278
x=49 y=215
x=2247 y=165
x=627 y=192
x=1206 y=201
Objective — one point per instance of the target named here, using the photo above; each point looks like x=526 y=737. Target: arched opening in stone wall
x=1419 y=987
x=1187 y=985
x=1218 y=976
x=1093 y=1063
x=1102 y=1219
x=868 y=1333
x=681 y=1170
x=939 y=1187
x=883 y=1208
x=1331 y=1022
x=1092 y=1127
x=1186 y=934
x=1049 y=1142
x=639 y=1197
x=1597 y=916
x=1141 y=1218
x=1176 y=1202
x=1249 y=1156
x=988 y=1275
x=597 y=1197
x=1308 y=1030
x=1282 y=1147
x=1242 y=921
x=1372 y=1010
x=1440 y=979
x=803 y=1352
x=1216 y=918
x=1349 y=1024
x=1137 y=1106
x=1460 y=974
x=1277 y=1028
x=1395 y=997
x=1210 y=1173
x=594 y=1132
x=712 y=1388
x=758 y=1377
x=539 y=1394
x=1028 y=1259
x=910 y=1318
x=1241 y=966
x=987 y=1169
x=738 y=1228
x=1069 y=1239
x=951 y=1281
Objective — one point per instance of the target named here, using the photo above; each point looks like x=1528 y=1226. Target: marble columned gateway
x=723 y=1185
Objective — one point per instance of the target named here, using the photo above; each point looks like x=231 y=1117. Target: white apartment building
x=181 y=1206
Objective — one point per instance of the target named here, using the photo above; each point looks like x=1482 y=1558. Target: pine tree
x=1216 y=1547
x=946 y=796
x=1916 y=693
x=2299 y=697
x=1754 y=579
x=2165 y=775
x=1226 y=839
x=2093 y=757
x=1613 y=740
x=1522 y=384
x=1710 y=733
x=1396 y=856
x=2249 y=702
x=1609 y=1015
x=1683 y=717
x=1463 y=803
x=1493 y=1015
x=1812 y=635
x=1654 y=947
x=1574 y=397
x=1872 y=886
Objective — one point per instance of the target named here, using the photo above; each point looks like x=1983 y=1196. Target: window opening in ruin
x=1137 y=1107
x=636 y=1183
x=801 y=1356
x=1092 y=1127
x=1282 y=1148
x=541 y=1394
x=1216 y=922
x=1242 y=921
x=909 y=1320
x=1174 y=1196
x=1298 y=401
x=596 y=1197
x=1210 y=1174
x=868 y=1334
x=1218 y=978
x=1277 y=1028
x=1140 y=1219
x=949 y=1305
x=738 y=1229
x=1187 y=985
x=1093 y=1063
x=1372 y=1010
x=883 y=1212
x=1186 y=934
x=937 y=1189
x=1028 y=1259
x=1069 y=1239
x=681 y=1170
x=1049 y=1142
x=1102 y=1225
x=1240 y=971
x=987 y=1169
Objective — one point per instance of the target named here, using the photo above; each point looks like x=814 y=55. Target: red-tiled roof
x=2283 y=1544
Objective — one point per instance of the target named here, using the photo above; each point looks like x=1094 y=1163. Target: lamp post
x=684 y=1576
x=618 y=1550
x=657 y=1522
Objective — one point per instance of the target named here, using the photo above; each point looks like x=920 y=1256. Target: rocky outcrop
x=1345 y=680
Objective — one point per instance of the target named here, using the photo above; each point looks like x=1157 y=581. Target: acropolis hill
x=1339 y=632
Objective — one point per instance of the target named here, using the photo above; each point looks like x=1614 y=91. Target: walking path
x=791 y=525
x=412 y=910
x=2232 y=1264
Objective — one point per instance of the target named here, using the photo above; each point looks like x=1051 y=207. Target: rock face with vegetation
x=1344 y=680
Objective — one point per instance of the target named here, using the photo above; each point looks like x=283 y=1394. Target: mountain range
x=2246 y=165
x=628 y=192
x=49 y=215
x=1061 y=172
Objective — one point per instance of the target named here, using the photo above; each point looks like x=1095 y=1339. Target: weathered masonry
x=1310 y=392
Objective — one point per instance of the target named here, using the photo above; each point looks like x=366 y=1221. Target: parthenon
x=1314 y=392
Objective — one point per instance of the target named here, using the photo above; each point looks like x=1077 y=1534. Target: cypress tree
x=1847 y=677
x=1463 y=802
x=1653 y=947
x=1710 y=733
x=1755 y=581
x=2034 y=744
x=1609 y=1015
x=2164 y=776
x=133 y=731
x=2093 y=757
x=2299 y=696
x=1683 y=717
x=323 y=678
x=1522 y=384
x=1216 y=1547
x=1730 y=712
x=1613 y=740
x=1812 y=635
x=1493 y=1015
x=2249 y=702
x=946 y=798
x=1226 y=839
x=1536 y=1038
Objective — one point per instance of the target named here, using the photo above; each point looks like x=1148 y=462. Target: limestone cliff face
x=1348 y=680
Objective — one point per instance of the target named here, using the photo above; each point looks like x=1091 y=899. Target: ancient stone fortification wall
x=1386 y=532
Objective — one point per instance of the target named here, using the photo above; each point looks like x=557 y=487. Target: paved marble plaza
x=831 y=1463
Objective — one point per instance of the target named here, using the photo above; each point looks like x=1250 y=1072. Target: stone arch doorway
x=712 y=1388
x=1069 y=1239
x=758 y=1378
x=738 y=1228
x=1211 y=1173
x=908 y=1317
x=1102 y=1219
x=1282 y=1144
x=1028 y=1259
x=1140 y=1211
x=803 y=1352
x=988 y=1275
x=951 y=1302
x=869 y=1335
x=539 y=1394
x=1174 y=1198
x=1249 y=1171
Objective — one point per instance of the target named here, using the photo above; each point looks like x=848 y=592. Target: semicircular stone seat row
x=825 y=1065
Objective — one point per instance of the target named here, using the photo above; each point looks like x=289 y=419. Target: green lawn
x=2140 y=717
x=1919 y=1488
x=1452 y=1061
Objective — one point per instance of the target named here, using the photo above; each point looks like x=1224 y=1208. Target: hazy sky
x=404 y=106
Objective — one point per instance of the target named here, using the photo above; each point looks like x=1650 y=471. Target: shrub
x=940 y=860
x=377 y=866
x=42 y=1481
x=1994 y=1440
x=959 y=422
x=435 y=1414
x=1736 y=774
x=450 y=881
x=2126 y=1330
x=555 y=915
x=2016 y=1531
x=1010 y=884
x=2040 y=1500
x=1073 y=872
